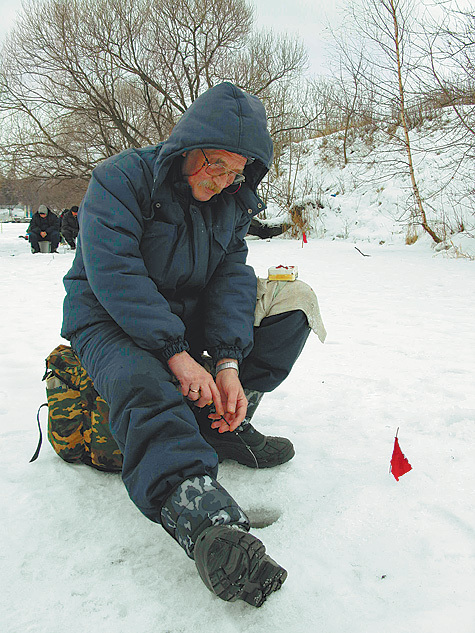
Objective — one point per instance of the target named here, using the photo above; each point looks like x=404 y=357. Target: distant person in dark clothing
x=61 y=216
x=265 y=231
x=70 y=226
x=44 y=227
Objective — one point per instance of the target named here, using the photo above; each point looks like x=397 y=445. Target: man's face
x=203 y=186
x=75 y=213
x=43 y=215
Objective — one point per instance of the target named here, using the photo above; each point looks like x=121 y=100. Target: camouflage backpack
x=78 y=418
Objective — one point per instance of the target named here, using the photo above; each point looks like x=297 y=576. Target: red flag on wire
x=399 y=464
x=304 y=237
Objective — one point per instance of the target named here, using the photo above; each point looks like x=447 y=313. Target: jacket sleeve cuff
x=173 y=347
x=218 y=353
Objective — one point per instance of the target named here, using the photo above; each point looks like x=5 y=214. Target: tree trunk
x=407 y=143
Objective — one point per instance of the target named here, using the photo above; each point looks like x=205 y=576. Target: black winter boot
x=234 y=565
x=212 y=529
x=246 y=445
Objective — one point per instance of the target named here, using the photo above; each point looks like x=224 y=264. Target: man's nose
x=224 y=180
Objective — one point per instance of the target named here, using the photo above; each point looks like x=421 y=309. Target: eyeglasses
x=217 y=169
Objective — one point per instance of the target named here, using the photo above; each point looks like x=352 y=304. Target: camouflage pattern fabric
x=197 y=504
x=78 y=418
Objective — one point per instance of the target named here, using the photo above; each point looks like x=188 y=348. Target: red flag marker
x=304 y=238
x=399 y=464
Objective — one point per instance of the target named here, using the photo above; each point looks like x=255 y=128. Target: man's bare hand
x=233 y=399
x=196 y=383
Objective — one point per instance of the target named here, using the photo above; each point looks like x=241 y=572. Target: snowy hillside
x=369 y=199
x=365 y=554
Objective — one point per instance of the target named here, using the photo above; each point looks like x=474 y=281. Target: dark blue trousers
x=52 y=236
x=151 y=421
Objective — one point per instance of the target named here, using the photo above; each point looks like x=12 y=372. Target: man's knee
x=278 y=297
x=128 y=375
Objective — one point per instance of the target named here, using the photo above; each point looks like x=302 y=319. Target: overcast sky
x=8 y=11
x=309 y=19
x=306 y=18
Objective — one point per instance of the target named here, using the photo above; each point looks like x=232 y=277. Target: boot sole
x=234 y=566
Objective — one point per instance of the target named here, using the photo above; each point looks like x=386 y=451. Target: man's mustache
x=211 y=185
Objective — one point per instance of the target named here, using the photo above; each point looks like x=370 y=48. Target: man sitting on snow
x=160 y=276
x=44 y=227
x=70 y=226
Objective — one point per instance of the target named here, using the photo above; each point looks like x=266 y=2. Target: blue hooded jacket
x=169 y=270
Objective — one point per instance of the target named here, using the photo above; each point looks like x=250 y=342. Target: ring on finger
x=193 y=390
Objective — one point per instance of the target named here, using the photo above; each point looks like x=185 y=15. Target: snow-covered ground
x=365 y=553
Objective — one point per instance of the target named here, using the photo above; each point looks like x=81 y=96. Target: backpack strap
x=40 y=441
x=45 y=404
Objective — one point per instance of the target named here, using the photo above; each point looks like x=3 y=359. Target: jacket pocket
x=158 y=243
x=159 y=235
x=223 y=236
x=167 y=254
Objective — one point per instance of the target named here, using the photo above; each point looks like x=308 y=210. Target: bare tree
x=83 y=80
x=451 y=47
x=398 y=14
x=385 y=66
x=296 y=113
x=352 y=96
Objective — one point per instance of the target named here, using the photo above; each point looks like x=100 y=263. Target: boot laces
x=238 y=432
